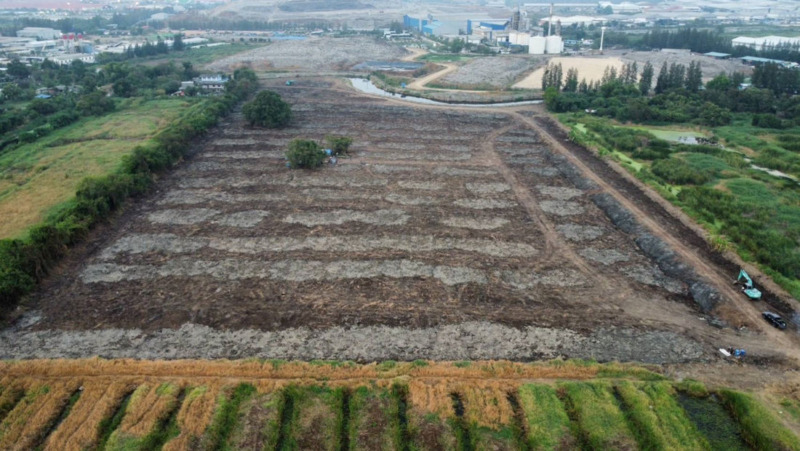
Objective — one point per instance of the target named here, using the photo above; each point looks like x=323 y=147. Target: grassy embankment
x=135 y=405
x=200 y=56
x=744 y=209
x=37 y=178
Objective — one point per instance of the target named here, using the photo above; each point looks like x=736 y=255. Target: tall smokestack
x=550 y=22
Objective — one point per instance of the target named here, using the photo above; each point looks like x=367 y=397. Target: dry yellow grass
x=79 y=430
x=194 y=416
x=302 y=371
x=24 y=425
x=590 y=69
x=142 y=415
x=149 y=404
x=431 y=396
x=487 y=405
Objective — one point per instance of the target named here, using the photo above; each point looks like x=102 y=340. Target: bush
x=304 y=154
x=679 y=172
x=268 y=110
x=339 y=145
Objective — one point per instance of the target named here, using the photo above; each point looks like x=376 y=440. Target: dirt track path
x=421 y=82
x=776 y=341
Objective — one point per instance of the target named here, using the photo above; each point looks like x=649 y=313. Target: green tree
x=95 y=103
x=714 y=116
x=268 y=110
x=339 y=145
x=17 y=69
x=304 y=154
x=662 y=82
x=719 y=83
x=646 y=80
x=123 y=88
x=571 y=83
x=694 y=77
x=12 y=91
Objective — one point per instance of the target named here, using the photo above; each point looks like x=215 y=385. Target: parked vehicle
x=774 y=319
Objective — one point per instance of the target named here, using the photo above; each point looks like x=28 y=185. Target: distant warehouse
x=765 y=43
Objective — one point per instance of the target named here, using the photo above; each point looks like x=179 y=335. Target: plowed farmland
x=123 y=405
x=449 y=233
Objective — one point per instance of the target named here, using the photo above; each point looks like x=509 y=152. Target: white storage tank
x=554 y=45
x=536 y=45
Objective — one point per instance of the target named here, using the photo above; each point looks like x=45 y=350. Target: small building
x=718 y=55
x=765 y=42
x=68 y=58
x=758 y=61
x=210 y=83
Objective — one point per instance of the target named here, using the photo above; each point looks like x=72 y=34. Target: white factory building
x=764 y=43
x=39 y=33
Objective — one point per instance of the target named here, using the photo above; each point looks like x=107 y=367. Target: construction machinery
x=747 y=285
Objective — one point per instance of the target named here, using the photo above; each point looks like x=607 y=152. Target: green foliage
x=268 y=110
x=339 y=145
x=108 y=425
x=693 y=388
x=305 y=154
x=23 y=262
x=374 y=420
x=95 y=103
x=760 y=427
x=657 y=420
x=547 y=421
x=226 y=415
x=679 y=172
x=600 y=422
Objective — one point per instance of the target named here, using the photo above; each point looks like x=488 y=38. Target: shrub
x=268 y=110
x=768 y=121
x=339 y=145
x=679 y=172
x=304 y=154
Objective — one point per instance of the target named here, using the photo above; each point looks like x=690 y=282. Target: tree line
x=704 y=41
x=678 y=95
x=24 y=262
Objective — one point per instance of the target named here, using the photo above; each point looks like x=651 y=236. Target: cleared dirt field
x=711 y=67
x=490 y=72
x=311 y=55
x=589 y=68
x=136 y=405
x=450 y=234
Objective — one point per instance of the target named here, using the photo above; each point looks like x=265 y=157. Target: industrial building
x=39 y=33
x=764 y=43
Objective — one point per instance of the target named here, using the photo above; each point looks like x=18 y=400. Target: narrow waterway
x=366 y=86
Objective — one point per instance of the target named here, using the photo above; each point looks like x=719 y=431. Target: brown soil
x=245 y=243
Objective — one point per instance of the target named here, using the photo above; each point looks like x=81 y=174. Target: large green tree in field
x=268 y=110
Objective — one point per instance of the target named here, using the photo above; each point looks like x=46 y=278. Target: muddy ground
x=448 y=234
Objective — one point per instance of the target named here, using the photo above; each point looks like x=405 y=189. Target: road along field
x=135 y=405
x=449 y=234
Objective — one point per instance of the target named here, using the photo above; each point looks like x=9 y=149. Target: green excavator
x=747 y=285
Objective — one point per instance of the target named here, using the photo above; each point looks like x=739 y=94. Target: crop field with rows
x=134 y=405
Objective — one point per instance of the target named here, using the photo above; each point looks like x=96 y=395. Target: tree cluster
x=268 y=110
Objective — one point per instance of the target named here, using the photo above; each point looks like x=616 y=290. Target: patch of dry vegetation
x=99 y=399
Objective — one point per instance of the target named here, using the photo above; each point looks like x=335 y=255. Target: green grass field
x=36 y=178
x=200 y=56
x=760 y=215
